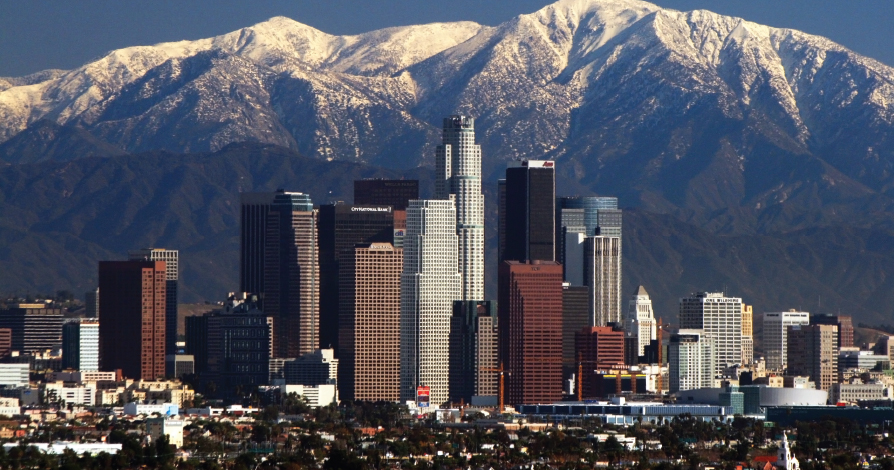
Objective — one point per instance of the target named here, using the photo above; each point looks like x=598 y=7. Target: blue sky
x=36 y=35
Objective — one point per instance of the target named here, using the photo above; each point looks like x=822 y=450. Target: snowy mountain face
x=715 y=118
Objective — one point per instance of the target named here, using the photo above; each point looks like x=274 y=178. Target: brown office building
x=813 y=352
x=530 y=319
x=369 y=323
x=600 y=347
x=292 y=274
x=394 y=193
x=132 y=330
x=845 y=327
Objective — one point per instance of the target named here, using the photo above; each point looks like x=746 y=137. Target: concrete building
x=602 y=275
x=430 y=283
x=691 y=360
x=69 y=394
x=172 y=274
x=720 y=317
x=316 y=395
x=530 y=333
x=473 y=350
x=164 y=409
x=747 y=334
x=132 y=331
x=173 y=428
x=640 y=322
x=35 y=327
x=369 y=323
x=292 y=274
x=178 y=365
x=80 y=345
x=844 y=323
x=528 y=203
x=14 y=375
x=776 y=336
x=813 y=351
x=857 y=392
x=458 y=173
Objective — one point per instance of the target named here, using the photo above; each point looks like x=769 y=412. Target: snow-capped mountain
x=707 y=115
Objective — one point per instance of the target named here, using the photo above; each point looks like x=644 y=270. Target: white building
x=691 y=360
x=776 y=336
x=641 y=319
x=80 y=345
x=430 y=283
x=721 y=318
x=164 y=409
x=58 y=392
x=602 y=275
x=10 y=407
x=58 y=447
x=852 y=393
x=173 y=428
x=458 y=167
x=14 y=375
x=316 y=396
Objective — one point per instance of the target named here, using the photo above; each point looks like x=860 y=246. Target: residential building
x=35 y=326
x=254 y=209
x=132 y=331
x=721 y=318
x=602 y=275
x=529 y=208
x=473 y=350
x=813 y=351
x=172 y=274
x=382 y=192
x=292 y=274
x=430 y=283
x=776 y=336
x=691 y=360
x=80 y=345
x=640 y=323
x=369 y=323
x=844 y=323
x=530 y=333
x=458 y=173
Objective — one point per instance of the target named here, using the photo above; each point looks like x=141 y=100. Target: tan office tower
x=292 y=273
x=602 y=275
x=813 y=351
x=369 y=323
x=747 y=334
x=721 y=318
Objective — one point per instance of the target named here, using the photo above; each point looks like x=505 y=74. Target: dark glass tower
x=530 y=229
x=254 y=210
x=380 y=192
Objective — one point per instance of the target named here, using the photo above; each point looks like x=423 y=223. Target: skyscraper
x=530 y=333
x=458 y=173
x=691 y=360
x=599 y=347
x=197 y=341
x=382 y=192
x=776 y=336
x=291 y=274
x=721 y=318
x=813 y=351
x=430 y=283
x=91 y=303
x=172 y=266
x=35 y=327
x=80 y=345
x=747 y=334
x=369 y=323
x=602 y=275
x=845 y=327
x=473 y=350
x=530 y=211
x=132 y=329
x=586 y=215
x=641 y=320
x=575 y=317
x=238 y=345
x=253 y=235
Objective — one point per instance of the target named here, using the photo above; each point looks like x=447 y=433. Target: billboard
x=422 y=396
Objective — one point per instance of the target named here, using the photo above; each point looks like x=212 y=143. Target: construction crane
x=502 y=387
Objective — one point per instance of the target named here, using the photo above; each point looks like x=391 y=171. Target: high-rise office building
x=602 y=275
x=430 y=283
x=458 y=173
x=197 y=341
x=691 y=360
x=529 y=205
x=721 y=318
x=172 y=274
x=35 y=327
x=80 y=345
x=575 y=317
x=292 y=274
x=132 y=329
x=317 y=368
x=501 y=219
x=382 y=192
x=254 y=208
x=640 y=322
x=369 y=323
x=587 y=216
x=574 y=259
x=91 y=303
x=844 y=323
x=813 y=352
x=600 y=347
x=530 y=333
x=776 y=336
x=747 y=334
x=473 y=350
x=238 y=345
x=5 y=342
x=341 y=227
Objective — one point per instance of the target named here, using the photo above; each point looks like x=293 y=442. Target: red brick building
x=600 y=348
x=530 y=333
x=132 y=329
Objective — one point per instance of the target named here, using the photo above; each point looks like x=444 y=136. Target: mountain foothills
x=758 y=159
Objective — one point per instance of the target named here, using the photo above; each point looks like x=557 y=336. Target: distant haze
x=41 y=35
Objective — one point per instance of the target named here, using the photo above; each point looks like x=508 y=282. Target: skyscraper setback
x=458 y=173
x=720 y=317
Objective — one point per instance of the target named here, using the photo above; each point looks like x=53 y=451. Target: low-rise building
x=164 y=409
x=173 y=428
x=316 y=395
x=57 y=448
x=14 y=375
x=856 y=392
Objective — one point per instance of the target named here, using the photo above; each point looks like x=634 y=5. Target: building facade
x=473 y=350
x=602 y=275
x=132 y=331
x=600 y=347
x=529 y=208
x=197 y=341
x=317 y=368
x=254 y=209
x=80 y=345
x=844 y=323
x=382 y=192
x=747 y=334
x=691 y=360
x=721 y=318
x=239 y=346
x=369 y=323
x=430 y=283
x=575 y=317
x=35 y=327
x=530 y=333
x=91 y=303
x=172 y=274
x=776 y=336
x=640 y=323
x=813 y=352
